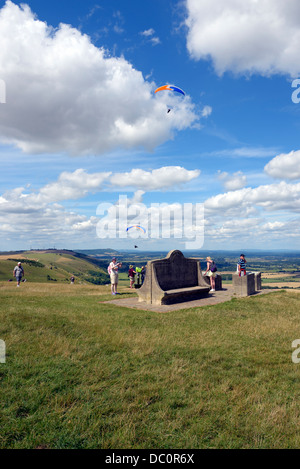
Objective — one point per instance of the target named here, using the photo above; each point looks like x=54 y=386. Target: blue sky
x=82 y=126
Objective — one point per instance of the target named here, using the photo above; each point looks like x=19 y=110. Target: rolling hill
x=54 y=266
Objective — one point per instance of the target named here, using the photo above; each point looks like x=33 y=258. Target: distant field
x=84 y=374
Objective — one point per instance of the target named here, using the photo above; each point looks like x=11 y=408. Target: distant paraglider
x=137 y=227
x=170 y=88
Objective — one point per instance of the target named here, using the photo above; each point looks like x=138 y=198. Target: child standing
x=242 y=265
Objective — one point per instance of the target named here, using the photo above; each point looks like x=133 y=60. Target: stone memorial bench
x=174 y=279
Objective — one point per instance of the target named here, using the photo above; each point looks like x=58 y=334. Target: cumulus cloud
x=234 y=181
x=285 y=166
x=36 y=217
x=72 y=186
x=248 y=36
x=157 y=179
x=41 y=215
x=244 y=202
x=66 y=95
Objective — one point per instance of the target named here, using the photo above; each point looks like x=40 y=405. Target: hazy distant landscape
x=279 y=269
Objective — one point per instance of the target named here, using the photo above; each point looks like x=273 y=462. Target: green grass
x=84 y=374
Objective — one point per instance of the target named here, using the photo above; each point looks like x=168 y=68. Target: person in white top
x=113 y=271
x=18 y=273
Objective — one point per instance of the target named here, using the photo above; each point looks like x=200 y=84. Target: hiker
x=18 y=273
x=241 y=266
x=131 y=275
x=211 y=270
x=113 y=270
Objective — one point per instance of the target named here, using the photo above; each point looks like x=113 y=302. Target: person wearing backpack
x=211 y=272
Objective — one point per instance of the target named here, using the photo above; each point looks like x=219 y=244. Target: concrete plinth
x=245 y=285
x=257 y=280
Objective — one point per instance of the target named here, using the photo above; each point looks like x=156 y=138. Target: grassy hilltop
x=81 y=373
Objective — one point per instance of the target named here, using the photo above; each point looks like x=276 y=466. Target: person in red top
x=131 y=275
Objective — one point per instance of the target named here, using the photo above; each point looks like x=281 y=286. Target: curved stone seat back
x=173 y=280
x=176 y=271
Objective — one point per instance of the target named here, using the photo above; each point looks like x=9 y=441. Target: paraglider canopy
x=137 y=227
x=170 y=88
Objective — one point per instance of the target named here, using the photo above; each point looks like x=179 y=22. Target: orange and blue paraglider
x=137 y=227
x=170 y=88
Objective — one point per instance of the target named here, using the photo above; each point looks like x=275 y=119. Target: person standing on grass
x=18 y=273
x=210 y=274
x=131 y=275
x=242 y=265
x=113 y=270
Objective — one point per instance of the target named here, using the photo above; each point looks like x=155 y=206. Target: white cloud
x=285 y=166
x=273 y=197
x=234 y=181
x=86 y=225
x=235 y=216
x=272 y=226
x=71 y=186
x=206 y=111
x=249 y=36
x=148 y=32
x=150 y=35
x=157 y=179
x=42 y=219
x=66 y=95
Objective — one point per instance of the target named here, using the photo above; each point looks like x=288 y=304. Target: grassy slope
x=83 y=374
x=59 y=267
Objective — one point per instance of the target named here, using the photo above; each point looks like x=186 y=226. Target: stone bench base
x=184 y=294
x=218 y=281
